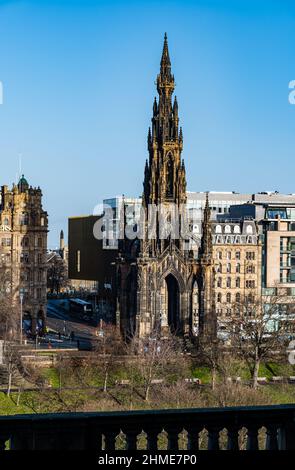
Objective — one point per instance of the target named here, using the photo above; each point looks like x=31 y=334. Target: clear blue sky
x=78 y=80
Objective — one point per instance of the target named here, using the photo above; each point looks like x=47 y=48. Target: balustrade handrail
x=85 y=430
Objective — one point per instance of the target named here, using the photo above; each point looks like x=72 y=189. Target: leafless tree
x=57 y=273
x=8 y=308
x=152 y=356
x=259 y=330
x=109 y=347
x=211 y=354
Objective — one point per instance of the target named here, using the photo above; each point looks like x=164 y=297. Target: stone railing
x=250 y=428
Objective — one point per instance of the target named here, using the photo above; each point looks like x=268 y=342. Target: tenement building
x=23 y=247
x=237 y=254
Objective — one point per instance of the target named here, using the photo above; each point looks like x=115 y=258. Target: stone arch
x=177 y=276
x=172 y=302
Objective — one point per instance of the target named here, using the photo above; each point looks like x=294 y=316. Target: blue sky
x=78 y=79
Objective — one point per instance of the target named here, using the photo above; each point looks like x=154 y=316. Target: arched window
x=219 y=268
x=237 y=229
x=228 y=255
x=169 y=176
x=228 y=282
x=219 y=297
x=219 y=255
x=228 y=268
x=23 y=219
x=238 y=282
x=219 y=282
x=249 y=229
x=238 y=297
x=238 y=268
x=227 y=229
x=228 y=298
x=228 y=312
x=238 y=255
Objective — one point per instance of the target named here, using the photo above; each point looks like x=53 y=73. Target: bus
x=81 y=309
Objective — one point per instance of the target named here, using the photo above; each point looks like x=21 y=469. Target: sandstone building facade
x=23 y=247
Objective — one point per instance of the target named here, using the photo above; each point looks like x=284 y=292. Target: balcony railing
x=98 y=431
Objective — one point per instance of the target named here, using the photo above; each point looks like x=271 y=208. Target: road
x=60 y=321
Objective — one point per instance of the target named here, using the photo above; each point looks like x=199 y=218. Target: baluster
x=152 y=439
x=131 y=440
x=110 y=440
x=213 y=439
x=252 y=439
x=232 y=438
x=93 y=439
x=3 y=440
x=271 y=442
x=286 y=435
x=172 y=438
x=193 y=439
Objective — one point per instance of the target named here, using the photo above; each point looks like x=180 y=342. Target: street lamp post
x=21 y=296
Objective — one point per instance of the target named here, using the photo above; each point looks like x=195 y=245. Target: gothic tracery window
x=169 y=176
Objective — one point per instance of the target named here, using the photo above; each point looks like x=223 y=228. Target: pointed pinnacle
x=165 y=55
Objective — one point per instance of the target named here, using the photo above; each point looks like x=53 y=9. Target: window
x=218 y=229
x=238 y=282
x=219 y=297
x=40 y=258
x=250 y=269
x=23 y=219
x=228 y=255
x=228 y=298
x=228 y=312
x=249 y=229
x=219 y=268
x=228 y=268
x=228 y=282
x=238 y=268
x=25 y=242
x=238 y=297
x=250 y=255
x=250 y=284
x=219 y=255
x=237 y=229
x=6 y=241
x=238 y=255
x=40 y=242
x=6 y=221
x=219 y=282
x=227 y=229
x=24 y=258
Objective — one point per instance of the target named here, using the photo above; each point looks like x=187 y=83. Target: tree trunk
x=255 y=373
x=213 y=378
x=147 y=391
x=105 y=381
x=9 y=383
x=18 y=396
